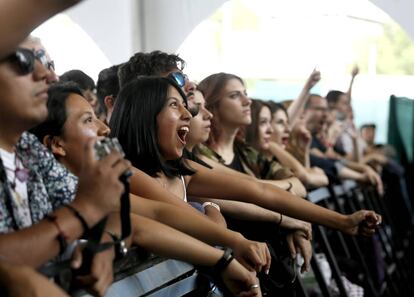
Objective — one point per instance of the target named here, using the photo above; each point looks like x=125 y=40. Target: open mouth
x=285 y=140
x=182 y=133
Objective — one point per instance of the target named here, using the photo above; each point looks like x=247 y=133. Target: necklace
x=20 y=173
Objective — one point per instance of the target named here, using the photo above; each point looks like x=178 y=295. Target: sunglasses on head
x=25 y=60
x=178 y=77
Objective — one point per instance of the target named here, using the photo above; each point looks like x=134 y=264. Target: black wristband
x=79 y=217
x=224 y=260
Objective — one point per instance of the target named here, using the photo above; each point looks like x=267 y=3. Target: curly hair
x=148 y=64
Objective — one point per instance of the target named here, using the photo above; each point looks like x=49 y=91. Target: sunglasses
x=25 y=60
x=179 y=78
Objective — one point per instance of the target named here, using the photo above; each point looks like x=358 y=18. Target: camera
x=105 y=146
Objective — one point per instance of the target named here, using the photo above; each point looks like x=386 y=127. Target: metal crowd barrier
x=346 y=198
x=153 y=276
x=138 y=275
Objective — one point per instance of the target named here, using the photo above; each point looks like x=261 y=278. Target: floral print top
x=49 y=185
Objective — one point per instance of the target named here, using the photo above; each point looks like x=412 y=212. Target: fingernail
x=267 y=271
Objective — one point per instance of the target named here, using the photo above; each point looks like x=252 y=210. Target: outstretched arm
x=19 y=17
x=252 y=212
x=292 y=183
x=168 y=242
x=251 y=254
x=206 y=183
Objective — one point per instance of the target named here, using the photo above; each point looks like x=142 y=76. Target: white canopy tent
x=114 y=30
x=123 y=27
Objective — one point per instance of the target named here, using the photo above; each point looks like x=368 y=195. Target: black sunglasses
x=178 y=77
x=25 y=60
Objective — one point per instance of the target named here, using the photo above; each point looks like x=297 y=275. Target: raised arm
x=296 y=108
x=19 y=17
x=354 y=73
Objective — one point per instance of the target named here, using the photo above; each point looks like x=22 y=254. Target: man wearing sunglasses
x=33 y=185
x=35 y=44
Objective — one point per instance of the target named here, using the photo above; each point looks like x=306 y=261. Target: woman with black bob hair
x=141 y=123
x=136 y=128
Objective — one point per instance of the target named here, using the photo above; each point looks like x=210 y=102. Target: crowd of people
x=217 y=179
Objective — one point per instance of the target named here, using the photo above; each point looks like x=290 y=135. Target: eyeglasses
x=179 y=78
x=25 y=60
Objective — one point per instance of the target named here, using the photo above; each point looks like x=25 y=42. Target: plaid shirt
x=254 y=163
x=49 y=186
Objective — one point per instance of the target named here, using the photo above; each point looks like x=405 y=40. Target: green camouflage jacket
x=254 y=163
